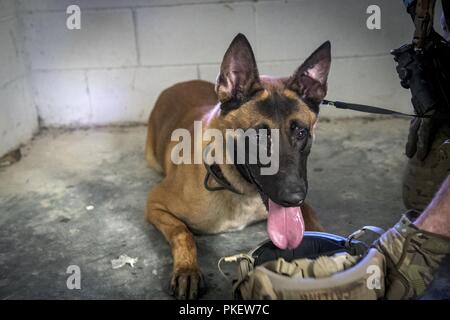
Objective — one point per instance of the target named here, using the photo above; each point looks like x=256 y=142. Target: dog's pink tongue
x=285 y=226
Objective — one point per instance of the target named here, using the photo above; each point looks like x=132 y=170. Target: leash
x=370 y=109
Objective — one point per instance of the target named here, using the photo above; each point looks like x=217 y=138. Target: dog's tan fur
x=180 y=203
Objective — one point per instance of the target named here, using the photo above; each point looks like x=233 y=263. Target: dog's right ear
x=238 y=78
x=310 y=79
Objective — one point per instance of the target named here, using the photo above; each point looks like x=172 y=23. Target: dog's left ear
x=238 y=78
x=310 y=79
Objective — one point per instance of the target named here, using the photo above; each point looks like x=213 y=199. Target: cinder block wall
x=18 y=116
x=112 y=70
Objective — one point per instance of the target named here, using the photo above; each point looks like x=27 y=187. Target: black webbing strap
x=213 y=170
x=216 y=173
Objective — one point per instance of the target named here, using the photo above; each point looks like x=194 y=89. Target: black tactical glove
x=425 y=73
x=412 y=75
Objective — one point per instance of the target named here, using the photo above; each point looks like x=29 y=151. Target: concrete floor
x=355 y=179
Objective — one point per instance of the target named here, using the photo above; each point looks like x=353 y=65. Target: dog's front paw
x=187 y=283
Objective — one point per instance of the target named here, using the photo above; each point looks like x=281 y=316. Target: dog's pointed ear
x=238 y=78
x=310 y=79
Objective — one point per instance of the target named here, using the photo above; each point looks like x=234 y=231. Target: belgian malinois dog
x=234 y=195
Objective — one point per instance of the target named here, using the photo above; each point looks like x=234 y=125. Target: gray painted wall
x=127 y=51
x=112 y=70
x=18 y=116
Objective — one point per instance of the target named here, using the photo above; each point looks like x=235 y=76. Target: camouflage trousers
x=406 y=259
x=422 y=179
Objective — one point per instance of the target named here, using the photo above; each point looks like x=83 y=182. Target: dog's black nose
x=291 y=199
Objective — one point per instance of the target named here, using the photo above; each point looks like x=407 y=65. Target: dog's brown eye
x=299 y=131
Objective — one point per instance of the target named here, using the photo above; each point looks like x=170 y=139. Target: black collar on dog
x=215 y=171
